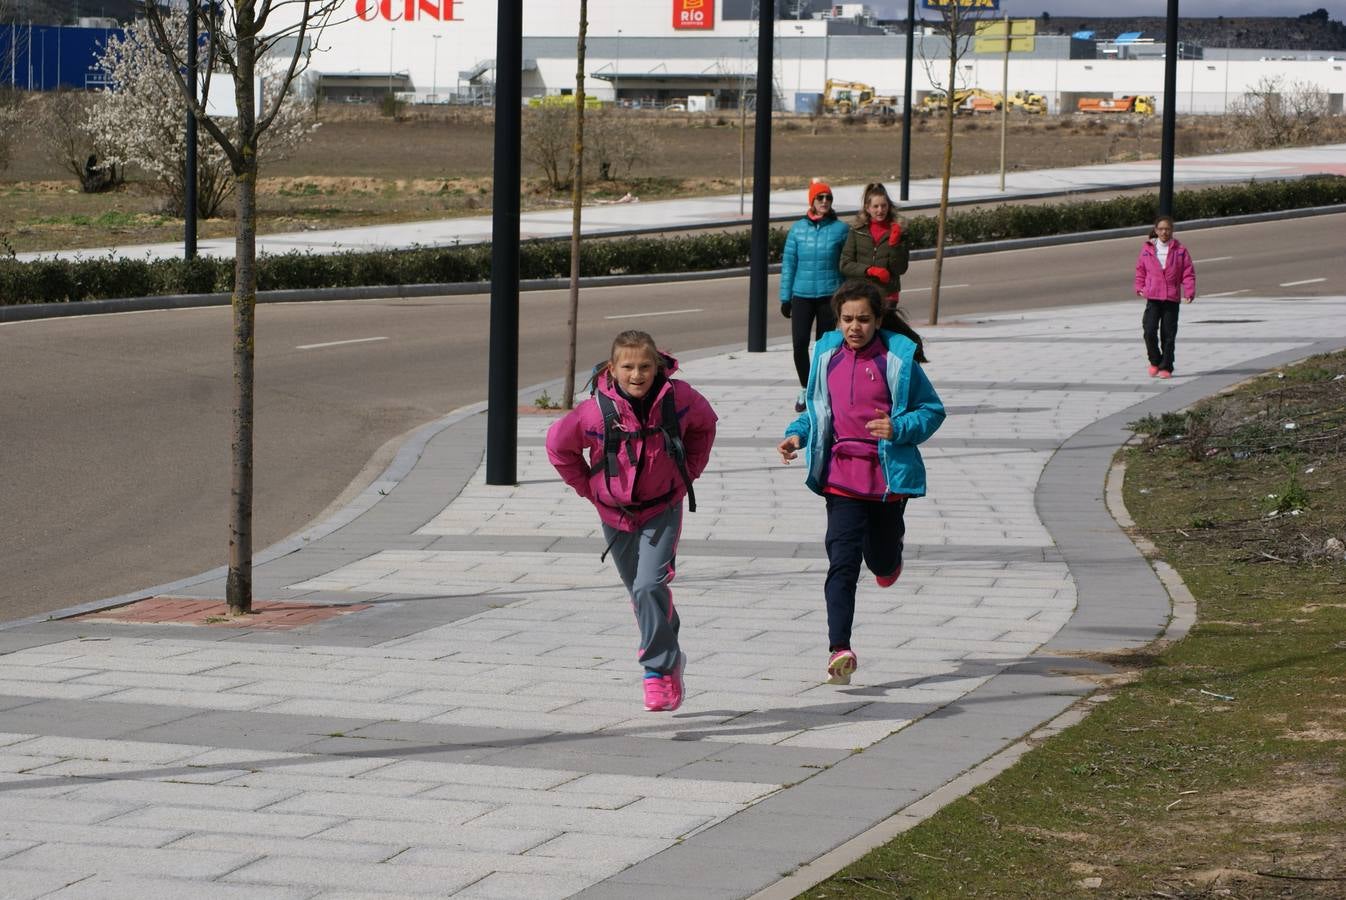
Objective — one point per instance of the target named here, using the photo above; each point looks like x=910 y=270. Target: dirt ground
x=362 y=168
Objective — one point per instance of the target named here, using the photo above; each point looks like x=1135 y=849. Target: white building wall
x=805 y=58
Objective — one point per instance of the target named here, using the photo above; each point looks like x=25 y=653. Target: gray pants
x=645 y=561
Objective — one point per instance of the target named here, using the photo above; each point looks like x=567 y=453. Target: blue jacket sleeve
x=800 y=428
x=789 y=259
x=924 y=414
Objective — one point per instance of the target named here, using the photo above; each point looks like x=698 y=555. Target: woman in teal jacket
x=809 y=274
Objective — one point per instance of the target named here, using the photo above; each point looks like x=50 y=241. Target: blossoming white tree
x=238 y=36
x=142 y=119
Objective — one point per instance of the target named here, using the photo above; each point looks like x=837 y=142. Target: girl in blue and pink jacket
x=630 y=471
x=1164 y=276
x=868 y=406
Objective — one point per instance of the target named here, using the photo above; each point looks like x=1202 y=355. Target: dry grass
x=362 y=168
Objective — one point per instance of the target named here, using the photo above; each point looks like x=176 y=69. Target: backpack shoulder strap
x=677 y=450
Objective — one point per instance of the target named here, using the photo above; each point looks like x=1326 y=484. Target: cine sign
x=694 y=14
x=961 y=4
x=405 y=10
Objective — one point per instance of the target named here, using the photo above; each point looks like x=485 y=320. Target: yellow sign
x=991 y=36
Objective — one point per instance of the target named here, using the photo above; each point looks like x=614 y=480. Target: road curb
x=32 y=311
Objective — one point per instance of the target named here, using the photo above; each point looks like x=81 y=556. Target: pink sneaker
x=656 y=694
x=1165 y=373
x=884 y=581
x=840 y=666
x=1154 y=370
x=674 y=686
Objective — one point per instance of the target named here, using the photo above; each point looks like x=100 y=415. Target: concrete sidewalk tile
x=483 y=776
x=184 y=818
x=691 y=865
x=670 y=788
x=312 y=847
x=596 y=821
x=102 y=887
x=373 y=807
x=291 y=870
x=279 y=779
x=144 y=862
x=517 y=837
x=67 y=833
x=599 y=847
x=504 y=796
x=517 y=886
x=208 y=796
x=29 y=884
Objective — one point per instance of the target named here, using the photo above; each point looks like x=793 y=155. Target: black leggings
x=1160 y=324
x=803 y=313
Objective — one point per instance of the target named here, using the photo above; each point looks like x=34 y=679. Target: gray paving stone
x=425 y=880
x=29 y=884
x=275 y=845
x=103 y=887
x=512 y=838
x=278 y=824
x=145 y=862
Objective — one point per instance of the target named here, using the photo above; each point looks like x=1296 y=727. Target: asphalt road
x=114 y=429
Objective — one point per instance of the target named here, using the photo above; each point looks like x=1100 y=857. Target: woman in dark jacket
x=874 y=249
x=809 y=275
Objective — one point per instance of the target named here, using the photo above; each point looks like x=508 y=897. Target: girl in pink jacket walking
x=1164 y=275
x=647 y=439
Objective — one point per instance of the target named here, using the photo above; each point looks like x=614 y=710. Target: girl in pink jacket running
x=647 y=439
x=1164 y=275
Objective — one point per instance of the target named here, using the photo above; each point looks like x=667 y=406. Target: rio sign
x=699 y=14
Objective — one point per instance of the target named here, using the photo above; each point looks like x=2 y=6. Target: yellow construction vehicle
x=852 y=96
x=1029 y=102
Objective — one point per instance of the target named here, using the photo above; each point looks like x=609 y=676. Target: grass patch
x=1220 y=769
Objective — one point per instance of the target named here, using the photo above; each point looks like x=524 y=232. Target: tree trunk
x=576 y=201
x=948 y=170
x=238 y=588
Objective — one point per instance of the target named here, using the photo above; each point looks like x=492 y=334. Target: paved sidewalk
x=724 y=210
x=476 y=730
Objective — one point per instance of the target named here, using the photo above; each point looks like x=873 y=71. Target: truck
x=1143 y=106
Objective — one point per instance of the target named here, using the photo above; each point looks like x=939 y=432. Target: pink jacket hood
x=575 y=445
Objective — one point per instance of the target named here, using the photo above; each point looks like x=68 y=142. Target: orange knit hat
x=818 y=187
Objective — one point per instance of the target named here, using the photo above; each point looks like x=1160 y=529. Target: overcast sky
x=1335 y=9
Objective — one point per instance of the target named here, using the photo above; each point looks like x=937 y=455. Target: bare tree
x=576 y=203
x=956 y=21
x=238 y=35
x=61 y=120
x=142 y=119
x=1276 y=114
x=548 y=139
x=616 y=143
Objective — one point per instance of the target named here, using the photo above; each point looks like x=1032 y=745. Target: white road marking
x=1305 y=281
x=669 y=312
x=942 y=287
x=1227 y=293
x=339 y=343
x=1213 y=259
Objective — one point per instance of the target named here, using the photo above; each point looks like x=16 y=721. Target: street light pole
x=904 y=191
x=434 y=79
x=1166 y=148
x=617 y=73
x=799 y=69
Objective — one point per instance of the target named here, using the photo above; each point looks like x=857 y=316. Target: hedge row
x=56 y=281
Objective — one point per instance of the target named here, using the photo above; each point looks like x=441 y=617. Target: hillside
x=1312 y=31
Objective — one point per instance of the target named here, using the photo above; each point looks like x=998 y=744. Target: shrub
x=59 y=281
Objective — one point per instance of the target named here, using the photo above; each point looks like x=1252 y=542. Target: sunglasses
x=827 y=197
